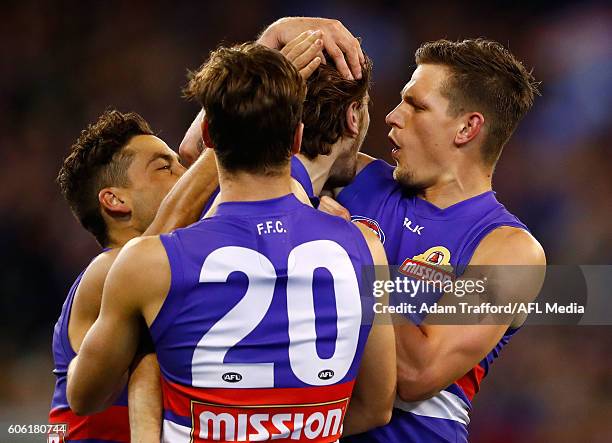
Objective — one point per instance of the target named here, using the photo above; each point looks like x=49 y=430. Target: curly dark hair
x=329 y=96
x=97 y=160
x=485 y=77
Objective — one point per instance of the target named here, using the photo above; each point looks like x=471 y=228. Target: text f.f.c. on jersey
x=262 y=331
x=422 y=238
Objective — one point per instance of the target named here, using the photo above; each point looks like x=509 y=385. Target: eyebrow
x=168 y=157
x=411 y=100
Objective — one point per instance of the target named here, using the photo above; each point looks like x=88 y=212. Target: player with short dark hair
x=436 y=211
x=336 y=121
x=236 y=91
x=461 y=106
x=100 y=159
x=255 y=313
x=114 y=178
x=484 y=75
x=335 y=118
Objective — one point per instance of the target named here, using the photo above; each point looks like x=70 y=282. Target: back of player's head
x=98 y=160
x=253 y=99
x=487 y=78
x=327 y=100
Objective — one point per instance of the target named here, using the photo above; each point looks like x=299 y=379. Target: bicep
x=509 y=266
x=113 y=338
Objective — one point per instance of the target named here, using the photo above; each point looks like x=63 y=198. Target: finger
x=308 y=55
x=300 y=38
x=337 y=56
x=343 y=213
x=304 y=48
x=353 y=55
x=331 y=206
x=311 y=67
x=356 y=59
x=361 y=56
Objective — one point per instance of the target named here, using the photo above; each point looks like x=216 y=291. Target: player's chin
x=404 y=176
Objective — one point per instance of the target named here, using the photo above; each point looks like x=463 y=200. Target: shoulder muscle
x=140 y=276
x=88 y=297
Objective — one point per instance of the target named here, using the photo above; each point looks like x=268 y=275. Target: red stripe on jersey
x=313 y=413
x=111 y=424
x=470 y=382
x=178 y=398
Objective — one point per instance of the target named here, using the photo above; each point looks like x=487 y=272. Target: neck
x=243 y=186
x=321 y=166
x=119 y=236
x=448 y=192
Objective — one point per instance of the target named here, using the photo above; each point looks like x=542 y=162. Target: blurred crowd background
x=64 y=63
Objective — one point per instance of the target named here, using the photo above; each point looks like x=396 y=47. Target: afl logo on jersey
x=326 y=374
x=231 y=377
x=372 y=224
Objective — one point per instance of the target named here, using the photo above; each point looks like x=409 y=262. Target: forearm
x=192 y=144
x=99 y=373
x=431 y=357
x=145 y=400
x=360 y=417
x=417 y=362
x=374 y=392
x=86 y=397
x=183 y=205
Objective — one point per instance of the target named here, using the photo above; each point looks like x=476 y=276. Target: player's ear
x=297 y=138
x=206 y=134
x=352 y=119
x=469 y=128
x=114 y=203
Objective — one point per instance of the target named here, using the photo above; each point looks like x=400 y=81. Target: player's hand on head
x=340 y=44
x=304 y=52
x=331 y=206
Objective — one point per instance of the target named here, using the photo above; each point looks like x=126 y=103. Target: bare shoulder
x=142 y=253
x=89 y=292
x=140 y=277
x=88 y=297
x=513 y=261
x=508 y=245
x=99 y=267
x=363 y=160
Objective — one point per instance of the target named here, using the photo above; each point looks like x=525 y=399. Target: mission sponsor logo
x=432 y=265
x=321 y=422
x=372 y=224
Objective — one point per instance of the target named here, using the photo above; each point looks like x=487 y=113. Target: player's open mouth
x=395 y=148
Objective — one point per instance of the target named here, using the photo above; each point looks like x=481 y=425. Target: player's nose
x=392 y=118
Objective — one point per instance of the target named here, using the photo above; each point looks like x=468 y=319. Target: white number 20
x=208 y=367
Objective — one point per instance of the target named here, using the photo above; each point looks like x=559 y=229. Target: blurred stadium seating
x=62 y=66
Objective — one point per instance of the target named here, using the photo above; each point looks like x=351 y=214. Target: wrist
x=270 y=36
